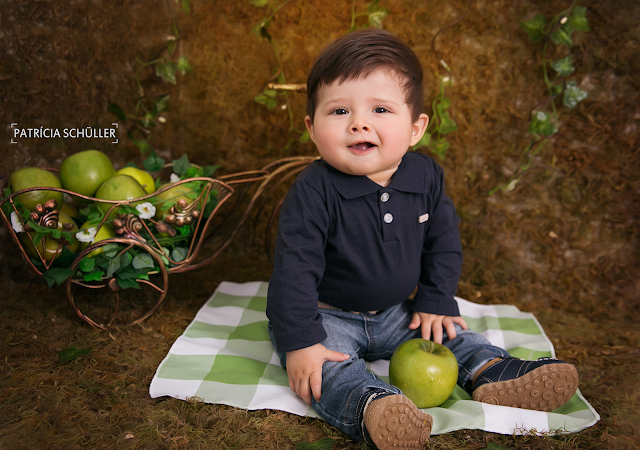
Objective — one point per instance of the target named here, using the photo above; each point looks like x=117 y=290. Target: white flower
x=146 y=210
x=15 y=223
x=174 y=178
x=87 y=235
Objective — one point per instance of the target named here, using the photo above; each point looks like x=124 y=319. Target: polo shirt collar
x=408 y=178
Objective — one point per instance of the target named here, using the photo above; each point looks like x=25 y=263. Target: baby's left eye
x=380 y=109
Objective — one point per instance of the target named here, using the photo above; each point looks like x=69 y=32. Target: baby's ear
x=418 y=128
x=309 y=124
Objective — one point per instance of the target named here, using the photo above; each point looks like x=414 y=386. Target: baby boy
x=359 y=230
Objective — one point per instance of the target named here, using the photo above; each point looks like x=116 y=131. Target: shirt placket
x=388 y=209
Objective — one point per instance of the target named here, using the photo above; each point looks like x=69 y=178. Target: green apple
x=106 y=232
x=48 y=247
x=84 y=172
x=424 y=371
x=35 y=177
x=119 y=187
x=144 y=178
x=69 y=210
x=170 y=195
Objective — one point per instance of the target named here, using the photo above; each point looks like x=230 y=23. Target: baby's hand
x=429 y=323
x=304 y=368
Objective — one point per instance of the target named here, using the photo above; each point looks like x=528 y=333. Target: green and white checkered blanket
x=225 y=356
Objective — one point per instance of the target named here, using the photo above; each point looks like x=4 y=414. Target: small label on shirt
x=423 y=218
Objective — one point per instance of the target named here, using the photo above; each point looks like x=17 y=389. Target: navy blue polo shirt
x=349 y=242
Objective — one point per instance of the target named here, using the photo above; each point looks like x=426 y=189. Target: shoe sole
x=395 y=422
x=543 y=389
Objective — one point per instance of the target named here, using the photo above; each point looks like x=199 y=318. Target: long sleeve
x=292 y=301
x=441 y=261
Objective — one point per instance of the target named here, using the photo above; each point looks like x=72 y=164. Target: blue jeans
x=347 y=385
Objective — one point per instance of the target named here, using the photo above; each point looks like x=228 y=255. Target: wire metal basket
x=140 y=236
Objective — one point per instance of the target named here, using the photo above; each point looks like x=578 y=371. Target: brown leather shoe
x=395 y=422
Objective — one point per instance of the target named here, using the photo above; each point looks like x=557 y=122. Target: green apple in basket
x=84 y=172
x=50 y=247
x=29 y=177
x=119 y=187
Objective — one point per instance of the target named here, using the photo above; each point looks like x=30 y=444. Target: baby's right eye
x=340 y=111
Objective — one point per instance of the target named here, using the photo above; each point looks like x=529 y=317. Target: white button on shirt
x=384 y=197
x=388 y=218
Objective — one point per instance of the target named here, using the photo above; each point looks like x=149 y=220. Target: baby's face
x=364 y=126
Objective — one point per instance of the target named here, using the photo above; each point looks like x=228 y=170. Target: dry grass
x=563 y=245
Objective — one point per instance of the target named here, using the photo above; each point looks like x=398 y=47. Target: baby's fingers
x=316 y=385
x=415 y=321
x=303 y=391
x=332 y=355
x=460 y=321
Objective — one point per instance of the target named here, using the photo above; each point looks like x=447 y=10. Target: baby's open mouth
x=361 y=146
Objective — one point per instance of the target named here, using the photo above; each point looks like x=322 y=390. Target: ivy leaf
x=115 y=108
x=184 y=230
x=119 y=263
x=194 y=172
x=181 y=165
x=541 y=125
x=95 y=214
x=127 y=273
x=167 y=72
x=87 y=264
x=65 y=257
x=94 y=276
x=267 y=98
x=573 y=95
x=127 y=283
x=183 y=65
x=305 y=137
x=208 y=171
x=37 y=238
x=562 y=36
x=186 y=7
x=563 y=66
x=578 y=20
x=440 y=148
x=142 y=261
x=148 y=121
x=128 y=210
x=69 y=354
x=377 y=14
x=534 y=28
x=110 y=251
x=144 y=146
x=260 y=30
x=556 y=89
x=322 y=444
x=153 y=163
x=179 y=254
x=446 y=125
x=424 y=141
x=161 y=104
x=57 y=275
x=171 y=46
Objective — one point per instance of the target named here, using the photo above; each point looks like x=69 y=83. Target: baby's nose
x=359 y=127
x=359 y=124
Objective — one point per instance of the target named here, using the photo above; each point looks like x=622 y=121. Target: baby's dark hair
x=359 y=53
